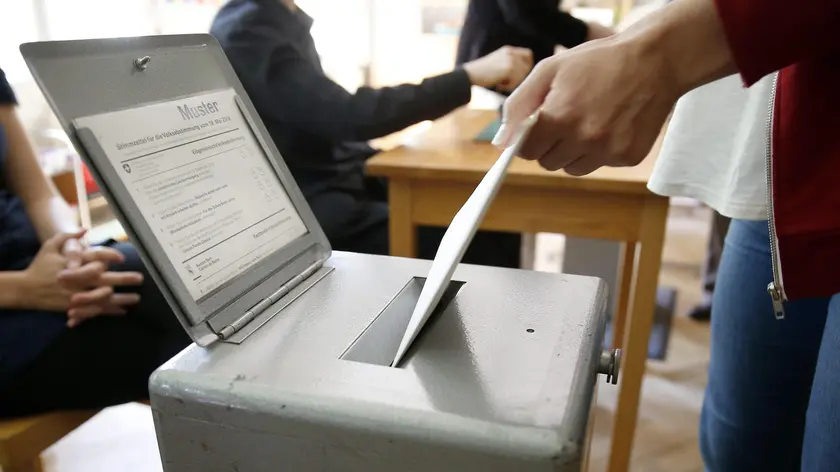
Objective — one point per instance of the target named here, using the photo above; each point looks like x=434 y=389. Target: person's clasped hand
x=504 y=68
x=65 y=276
x=93 y=285
x=600 y=104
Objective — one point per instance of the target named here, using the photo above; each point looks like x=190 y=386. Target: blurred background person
x=321 y=129
x=538 y=25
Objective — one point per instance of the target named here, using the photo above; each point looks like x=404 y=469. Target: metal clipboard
x=89 y=77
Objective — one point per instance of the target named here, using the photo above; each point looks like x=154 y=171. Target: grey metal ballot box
x=291 y=365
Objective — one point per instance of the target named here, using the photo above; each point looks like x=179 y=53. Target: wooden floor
x=122 y=438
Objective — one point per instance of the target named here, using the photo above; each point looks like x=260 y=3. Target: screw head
x=142 y=62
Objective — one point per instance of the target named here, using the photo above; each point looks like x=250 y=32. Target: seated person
x=538 y=25
x=80 y=327
x=321 y=129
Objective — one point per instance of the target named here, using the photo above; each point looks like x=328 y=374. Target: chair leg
x=34 y=466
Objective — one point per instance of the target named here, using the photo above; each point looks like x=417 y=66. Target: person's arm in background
x=543 y=19
x=288 y=88
x=47 y=210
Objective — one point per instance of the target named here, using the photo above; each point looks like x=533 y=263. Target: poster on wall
x=442 y=17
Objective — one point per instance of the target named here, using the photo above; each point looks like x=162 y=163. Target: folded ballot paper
x=457 y=238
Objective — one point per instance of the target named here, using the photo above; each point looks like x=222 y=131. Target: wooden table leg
x=625 y=278
x=402 y=230
x=640 y=320
x=528 y=251
x=34 y=466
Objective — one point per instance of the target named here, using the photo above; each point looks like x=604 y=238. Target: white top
x=715 y=148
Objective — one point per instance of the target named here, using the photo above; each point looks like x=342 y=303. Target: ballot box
x=502 y=378
x=293 y=362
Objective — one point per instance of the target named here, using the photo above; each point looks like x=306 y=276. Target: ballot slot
x=379 y=342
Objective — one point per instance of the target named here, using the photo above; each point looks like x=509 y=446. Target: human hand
x=93 y=286
x=42 y=290
x=72 y=249
x=601 y=104
x=598 y=31
x=504 y=68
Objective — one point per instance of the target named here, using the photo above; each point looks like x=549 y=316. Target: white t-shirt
x=715 y=148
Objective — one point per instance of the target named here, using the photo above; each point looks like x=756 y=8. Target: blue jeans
x=773 y=397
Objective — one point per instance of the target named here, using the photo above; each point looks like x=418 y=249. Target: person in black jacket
x=538 y=25
x=321 y=129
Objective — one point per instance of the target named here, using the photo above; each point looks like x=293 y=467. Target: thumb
x=56 y=243
x=527 y=99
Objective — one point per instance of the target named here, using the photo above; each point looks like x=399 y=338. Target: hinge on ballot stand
x=260 y=307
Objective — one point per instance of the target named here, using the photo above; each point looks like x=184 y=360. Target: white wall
x=401 y=52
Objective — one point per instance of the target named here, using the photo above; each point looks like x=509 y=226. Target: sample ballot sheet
x=202 y=182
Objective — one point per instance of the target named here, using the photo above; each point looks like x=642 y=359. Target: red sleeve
x=768 y=35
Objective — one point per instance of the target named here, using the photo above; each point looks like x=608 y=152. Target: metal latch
x=610 y=364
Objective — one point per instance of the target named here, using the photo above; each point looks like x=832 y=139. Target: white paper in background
x=202 y=183
x=457 y=238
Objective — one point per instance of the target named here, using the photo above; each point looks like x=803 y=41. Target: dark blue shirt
x=318 y=126
x=23 y=333
x=534 y=24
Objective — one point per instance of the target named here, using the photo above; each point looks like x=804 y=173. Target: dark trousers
x=104 y=361
x=720 y=226
x=358 y=222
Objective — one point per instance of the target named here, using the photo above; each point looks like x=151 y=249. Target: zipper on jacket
x=774 y=288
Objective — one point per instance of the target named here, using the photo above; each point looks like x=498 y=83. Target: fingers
x=73 y=251
x=520 y=62
x=121 y=279
x=102 y=297
x=96 y=274
x=526 y=100
x=83 y=277
x=115 y=304
x=77 y=315
x=524 y=56
x=56 y=243
x=561 y=155
x=103 y=254
x=583 y=166
x=96 y=296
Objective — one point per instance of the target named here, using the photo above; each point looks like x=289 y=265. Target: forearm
x=291 y=90
x=12 y=289
x=688 y=37
x=49 y=213
x=373 y=113
x=51 y=216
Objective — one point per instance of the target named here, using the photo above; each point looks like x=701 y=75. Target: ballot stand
x=291 y=368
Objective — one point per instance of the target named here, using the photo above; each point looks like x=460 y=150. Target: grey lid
x=90 y=77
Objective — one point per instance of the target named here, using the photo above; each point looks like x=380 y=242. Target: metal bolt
x=610 y=364
x=142 y=62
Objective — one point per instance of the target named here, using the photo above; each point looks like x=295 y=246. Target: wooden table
x=434 y=173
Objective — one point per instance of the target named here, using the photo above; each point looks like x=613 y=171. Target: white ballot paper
x=202 y=183
x=457 y=238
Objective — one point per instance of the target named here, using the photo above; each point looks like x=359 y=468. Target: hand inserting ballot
x=601 y=104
